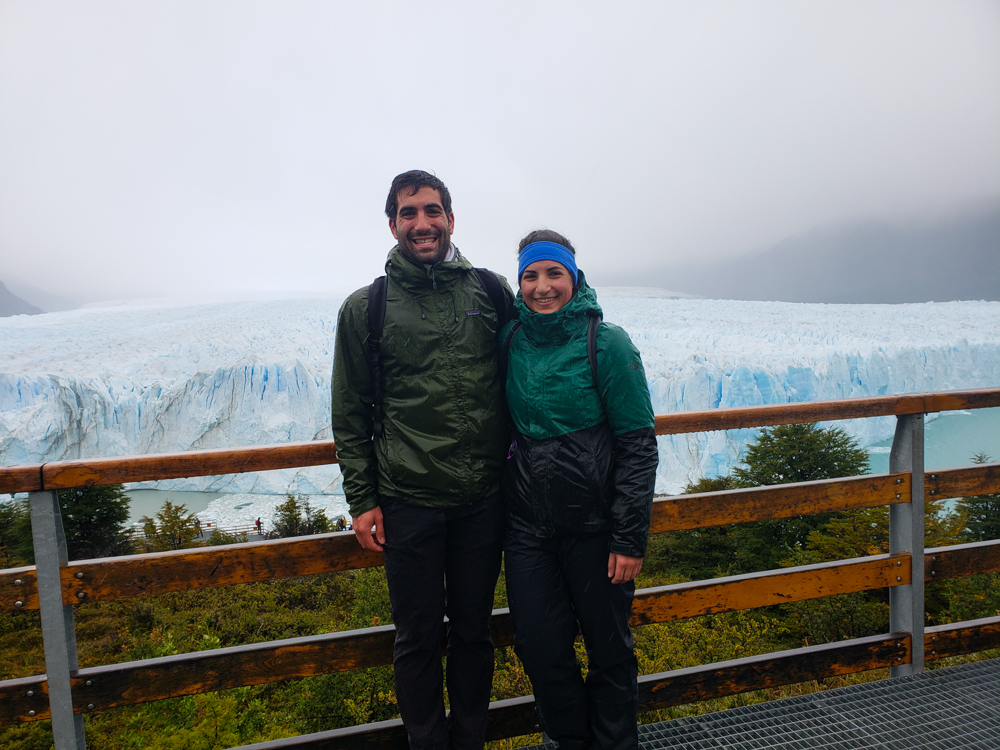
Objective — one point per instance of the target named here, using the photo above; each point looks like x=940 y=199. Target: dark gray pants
x=553 y=584
x=443 y=562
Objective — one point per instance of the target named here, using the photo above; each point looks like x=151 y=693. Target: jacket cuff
x=620 y=548
x=362 y=506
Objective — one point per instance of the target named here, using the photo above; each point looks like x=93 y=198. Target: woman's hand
x=622 y=568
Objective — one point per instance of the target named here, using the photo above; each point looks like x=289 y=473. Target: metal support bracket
x=58 y=630
x=906 y=534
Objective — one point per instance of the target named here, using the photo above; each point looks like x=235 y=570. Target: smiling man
x=420 y=425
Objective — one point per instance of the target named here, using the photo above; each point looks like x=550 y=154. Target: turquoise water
x=950 y=440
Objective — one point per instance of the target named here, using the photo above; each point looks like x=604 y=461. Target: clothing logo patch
x=632 y=366
x=470 y=313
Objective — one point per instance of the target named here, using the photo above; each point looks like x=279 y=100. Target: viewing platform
x=954 y=707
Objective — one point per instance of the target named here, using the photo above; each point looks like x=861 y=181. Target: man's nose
x=423 y=222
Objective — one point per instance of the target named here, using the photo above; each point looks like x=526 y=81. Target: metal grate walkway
x=956 y=707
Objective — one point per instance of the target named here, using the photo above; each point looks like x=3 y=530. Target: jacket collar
x=424 y=277
x=562 y=325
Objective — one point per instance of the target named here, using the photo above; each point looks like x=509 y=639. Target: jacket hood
x=420 y=277
x=563 y=324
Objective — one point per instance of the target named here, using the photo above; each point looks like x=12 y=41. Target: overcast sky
x=246 y=147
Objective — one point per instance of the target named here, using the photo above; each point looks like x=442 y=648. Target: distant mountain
x=41 y=298
x=11 y=304
x=869 y=261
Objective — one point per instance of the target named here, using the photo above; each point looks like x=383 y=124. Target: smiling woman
x=579 y=487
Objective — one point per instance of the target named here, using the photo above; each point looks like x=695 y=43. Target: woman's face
x=546 y=286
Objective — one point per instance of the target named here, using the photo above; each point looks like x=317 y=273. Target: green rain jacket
x=584 y=455
x=444 y=423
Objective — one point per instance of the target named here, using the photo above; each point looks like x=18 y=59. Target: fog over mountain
x=865 y=261
x=11 y=304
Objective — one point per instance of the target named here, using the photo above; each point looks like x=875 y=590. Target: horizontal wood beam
x=20 y=479
x=961 y=560
x=706 y=509
x=88 y=472
x=821 y=411
x=772 y=670
x=959 y=638
x=116 y=685
x=20 y=589
x=683 y=600
x=964 y=481
x=25 y=699
x=204 y=567
x=516 y=717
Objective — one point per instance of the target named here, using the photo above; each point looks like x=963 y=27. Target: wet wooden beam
x=964 y=481
x=20 y=589
x=89 y=472
x=772 y=670
x=25 y=699
x=956 y=639
x=20 y=479
x=683 y=600
x=516 y=717
x=182 y=570
x=779 y=501
x=961 y=560
x=819 y=411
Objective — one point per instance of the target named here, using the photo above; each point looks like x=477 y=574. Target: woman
x=579 y=488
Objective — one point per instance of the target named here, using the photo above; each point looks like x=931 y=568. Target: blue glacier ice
x=152 y=378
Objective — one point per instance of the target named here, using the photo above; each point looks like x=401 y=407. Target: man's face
x=422 y=228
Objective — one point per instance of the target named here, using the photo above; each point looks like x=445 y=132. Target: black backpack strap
x=491 y=284
x=376 y=320
x=504 y=353
x=592 y=326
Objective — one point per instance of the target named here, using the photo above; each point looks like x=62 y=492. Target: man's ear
x=451 y=223
x=392 y=228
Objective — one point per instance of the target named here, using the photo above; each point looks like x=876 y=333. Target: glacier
x=138 y=378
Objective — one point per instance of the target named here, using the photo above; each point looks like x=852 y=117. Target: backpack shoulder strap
x=592 y=326
x=491 y=284
x=504 y=353
x=376 y=321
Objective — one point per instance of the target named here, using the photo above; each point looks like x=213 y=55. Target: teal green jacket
x=444 y=426
x=584 y=455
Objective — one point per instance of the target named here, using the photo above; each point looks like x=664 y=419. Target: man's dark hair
x=545 y=235
x=412 y=181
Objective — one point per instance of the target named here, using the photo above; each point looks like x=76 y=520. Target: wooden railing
x=65 y=692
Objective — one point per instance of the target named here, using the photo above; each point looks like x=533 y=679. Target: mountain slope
x=870 y=261
x=11 y=304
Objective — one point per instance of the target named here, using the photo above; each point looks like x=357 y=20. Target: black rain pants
x=553 y=584
x=443 y=562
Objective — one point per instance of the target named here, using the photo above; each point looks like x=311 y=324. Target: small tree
x=15 y=533
x=296 y=517
x=94 y=520
x=982 y=511
x=172 y=528
x=782 y=455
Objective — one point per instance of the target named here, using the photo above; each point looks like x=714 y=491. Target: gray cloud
x=243 y=147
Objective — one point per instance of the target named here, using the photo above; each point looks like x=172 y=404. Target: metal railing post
x=58 y=630
x=906 y=534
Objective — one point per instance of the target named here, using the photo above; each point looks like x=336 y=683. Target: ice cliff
x=136 y=379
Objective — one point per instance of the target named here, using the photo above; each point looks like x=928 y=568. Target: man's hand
x=363 y=529
x=622 y=568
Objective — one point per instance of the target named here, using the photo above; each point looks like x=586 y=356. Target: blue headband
x=546 y=250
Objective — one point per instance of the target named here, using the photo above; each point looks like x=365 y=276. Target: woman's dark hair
x=412 y=181
x=545 y=235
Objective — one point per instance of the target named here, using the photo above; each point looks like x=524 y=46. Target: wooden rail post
x=906 y=534
x=58 y=629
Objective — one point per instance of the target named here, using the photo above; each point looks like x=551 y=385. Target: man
x=422 y=467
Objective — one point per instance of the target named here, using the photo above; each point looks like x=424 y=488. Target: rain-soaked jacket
x=444 y=425
x=584 y=455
